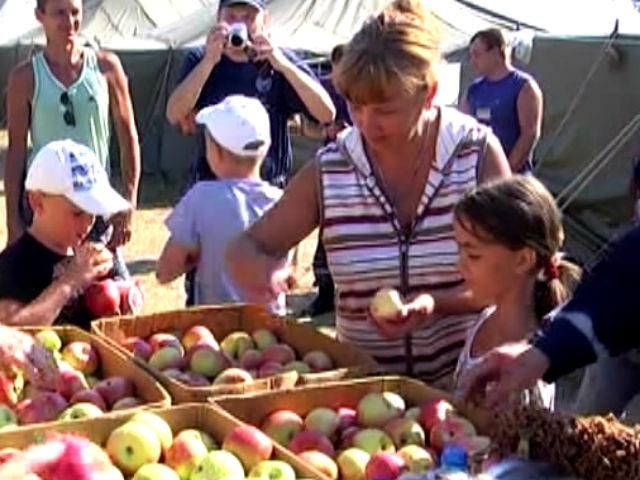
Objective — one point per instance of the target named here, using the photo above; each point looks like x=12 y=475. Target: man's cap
x=239 y=124
x=67 y=168
x=259 y=4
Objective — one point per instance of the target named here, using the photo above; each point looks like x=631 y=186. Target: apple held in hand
x=249 y=444
x=272 y=470
x=282 y=426
x=434 y=412
x=386 y=304
x=219 y=465
x=376 y=409
x=133 y=445
x=103 y=298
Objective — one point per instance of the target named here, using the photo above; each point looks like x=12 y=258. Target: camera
x=238 y=35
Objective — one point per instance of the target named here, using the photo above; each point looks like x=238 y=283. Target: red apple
x=127 y=402
x=270 y=369
x=131 y=297
x=318 y=360
x=89 y=396
x=198 y=333
x=114 y=388
x=433 y=412
x=103 y=298
x=282 y=425
x=310 y=440
x=251 y=359
x=232 y=376
x=70 y=382
x=81 y=356
x=280 y=352
x=139 y=347
x=384 y=466
x=160 y=340
x=42 y=408
x=186 y=452
x=346 y=437
x=451 y=429
x=321 y=462
x=249 y=444
x=7 y=454
x=348 y=417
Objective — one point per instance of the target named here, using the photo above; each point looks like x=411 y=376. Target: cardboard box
x=201 y=416
x=254 y=408
x=222 y=320
x=114 y=363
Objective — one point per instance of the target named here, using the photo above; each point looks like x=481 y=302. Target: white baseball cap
x=64 y=167
x=239 y=124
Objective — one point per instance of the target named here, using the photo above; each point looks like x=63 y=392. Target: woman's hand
x=19 y=350
x=412 y=315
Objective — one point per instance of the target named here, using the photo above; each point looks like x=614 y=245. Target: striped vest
x=367 y=250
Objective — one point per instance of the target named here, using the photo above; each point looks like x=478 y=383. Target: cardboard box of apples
x=94 y=379
x=207 y=351
x=186 y=442
x=368 y=429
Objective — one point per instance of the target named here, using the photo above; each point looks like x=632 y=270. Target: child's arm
x=176 y=259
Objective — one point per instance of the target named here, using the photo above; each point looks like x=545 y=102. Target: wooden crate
x=221 y=320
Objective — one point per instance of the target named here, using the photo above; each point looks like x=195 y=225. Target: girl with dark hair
x=510 y=234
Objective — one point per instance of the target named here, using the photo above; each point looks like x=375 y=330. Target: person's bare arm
x=494 y=164
x=183 y=99
x=529 y=106
x=464 y=106
x=312 y=93
x=124 y=123
x=252 y=259
x=92 y=261
x=174 y=261
x=19 y=94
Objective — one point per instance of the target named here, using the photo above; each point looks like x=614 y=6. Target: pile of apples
x=378 y=440
x=197 y=359
x=79 y=393
x=145 y=448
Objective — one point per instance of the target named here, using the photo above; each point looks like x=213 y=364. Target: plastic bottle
x=454 y=465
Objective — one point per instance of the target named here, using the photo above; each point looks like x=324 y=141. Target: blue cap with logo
x=259 y=4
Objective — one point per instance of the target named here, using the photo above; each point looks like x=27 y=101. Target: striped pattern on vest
x=363 y=241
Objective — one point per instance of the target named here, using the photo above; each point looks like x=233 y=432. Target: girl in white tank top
x=509 y=233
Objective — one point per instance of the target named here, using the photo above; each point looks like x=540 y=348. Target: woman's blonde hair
x=520 y=212
x=398 y=47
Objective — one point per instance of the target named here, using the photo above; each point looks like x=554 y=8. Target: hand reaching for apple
x=395 y=318
x=90 y=262
x=19 y=351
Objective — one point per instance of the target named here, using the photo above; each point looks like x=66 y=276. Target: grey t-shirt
x=211 y=214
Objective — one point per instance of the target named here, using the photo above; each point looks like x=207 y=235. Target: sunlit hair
x=399 y=47
x=519 y=212
x=492 y=38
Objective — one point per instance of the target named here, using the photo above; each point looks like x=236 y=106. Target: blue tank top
x=494 y=103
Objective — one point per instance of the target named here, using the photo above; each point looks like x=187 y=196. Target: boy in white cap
x=44 y=272
x=214 y=212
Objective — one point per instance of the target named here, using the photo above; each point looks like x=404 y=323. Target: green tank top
x=80 y=112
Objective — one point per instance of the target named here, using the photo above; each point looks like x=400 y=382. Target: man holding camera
x=239 y=58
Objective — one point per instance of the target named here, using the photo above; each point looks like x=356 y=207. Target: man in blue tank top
x=68 y=91
x=504 y=98
x=239 y=58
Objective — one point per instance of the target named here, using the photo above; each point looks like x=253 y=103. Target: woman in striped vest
x=383 y=196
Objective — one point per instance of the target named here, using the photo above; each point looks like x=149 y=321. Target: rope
x=577 y=97
x=564 y=198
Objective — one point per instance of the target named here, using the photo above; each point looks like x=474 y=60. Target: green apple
x=204 y=437
x=49 y=340
x=376 y=409
x=158 y=425
x=133 y=445
x=155 y=471
x=272 y=470
x=7 y=417
x=236 y=343
x=417 y=459
x=404 y=431
x=264 y=338
x=373 y=440
x=219 y=465
x=352 y=463
x=80 y=410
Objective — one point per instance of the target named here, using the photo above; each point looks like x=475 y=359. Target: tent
x=570 y=51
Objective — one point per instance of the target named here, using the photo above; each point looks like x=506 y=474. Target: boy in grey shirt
x=214 y=212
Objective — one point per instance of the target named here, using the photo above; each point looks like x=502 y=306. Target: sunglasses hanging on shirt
x=68 y=115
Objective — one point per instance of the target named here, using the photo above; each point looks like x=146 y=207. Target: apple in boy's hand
x=103 y=298
x=386 y=304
